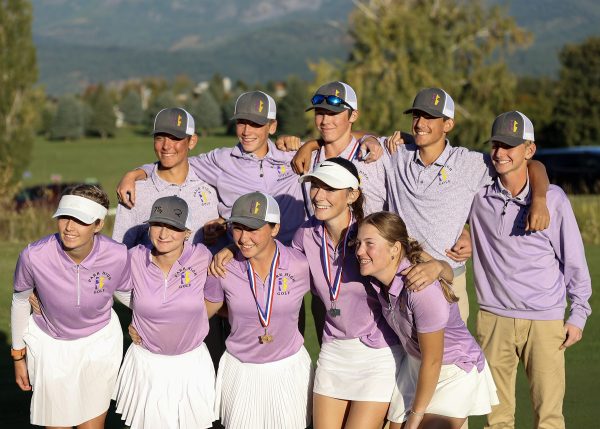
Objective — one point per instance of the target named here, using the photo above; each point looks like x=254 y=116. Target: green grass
x=107 y=161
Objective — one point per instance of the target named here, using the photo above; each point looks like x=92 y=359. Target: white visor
x=87 y=211
x=332 y=174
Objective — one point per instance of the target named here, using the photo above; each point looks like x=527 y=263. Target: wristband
x=18 y=354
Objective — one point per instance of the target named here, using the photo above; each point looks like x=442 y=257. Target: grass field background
x=106 y=161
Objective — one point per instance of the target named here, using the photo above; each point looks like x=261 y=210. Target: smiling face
x=329 y=203
x=254 y=137
x=334 y=126
x=166 y=239
x=253 y=243
x=508 y=159
x=375 y=254
x=171 y=151
x=77 y=236
x=428 y=130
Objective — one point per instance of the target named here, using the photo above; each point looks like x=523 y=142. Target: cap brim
x=77 y=214
x=250 y=222
x=176 y=133
x=509 y=140
x=325 y=106
x=434 y=113
x=328 y=179
x=159 y=219
x=257 y=119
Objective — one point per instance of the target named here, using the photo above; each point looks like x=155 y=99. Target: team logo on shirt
x=443 y=175
x=99 y=280
x=284 y=281
x=185 y=275
x=203 y=194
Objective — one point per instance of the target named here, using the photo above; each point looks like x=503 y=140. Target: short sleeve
x=23 y=278
x=213 y=291
x=480 y=170
x=126 y=283
x=430 y=309
x=298 y=240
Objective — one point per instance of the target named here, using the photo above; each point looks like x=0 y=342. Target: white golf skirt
x=271 y=395
x=458 y=393
x=166 y=392
x=353 y=371
x=72 y=380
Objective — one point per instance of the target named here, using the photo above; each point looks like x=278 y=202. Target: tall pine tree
x=18 y=72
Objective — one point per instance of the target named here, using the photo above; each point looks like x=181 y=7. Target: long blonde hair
x=393 y=229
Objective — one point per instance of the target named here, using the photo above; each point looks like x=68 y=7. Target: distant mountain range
x=85 y=41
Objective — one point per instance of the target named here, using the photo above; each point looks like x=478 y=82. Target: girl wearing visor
x=445 y=377
x=265 y=375
x=167 y=380
x=69 y=355
x=358 y=361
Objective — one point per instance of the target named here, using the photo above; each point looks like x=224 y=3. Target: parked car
x=46 y=196
x=575 y=169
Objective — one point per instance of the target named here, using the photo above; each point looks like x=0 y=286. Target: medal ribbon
x=265 y=315
x=334 y=287
x=353 y=153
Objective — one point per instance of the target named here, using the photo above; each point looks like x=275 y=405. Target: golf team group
x=215 y=253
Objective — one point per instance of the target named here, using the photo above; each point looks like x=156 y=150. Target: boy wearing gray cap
x=523 y=279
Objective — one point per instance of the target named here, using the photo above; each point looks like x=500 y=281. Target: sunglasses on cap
x=332 y=100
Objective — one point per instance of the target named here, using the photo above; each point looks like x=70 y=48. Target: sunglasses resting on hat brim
x=332 y=100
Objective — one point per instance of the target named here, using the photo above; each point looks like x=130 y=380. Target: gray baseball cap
x=254 y=210
x=255 y=106
x=512 y=128
x=171 y=211
x=175 y=121
x=435 y=102
x=337 y=89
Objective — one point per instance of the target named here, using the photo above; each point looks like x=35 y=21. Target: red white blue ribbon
x=353 y=153
x=265 y=314
x=334 y=285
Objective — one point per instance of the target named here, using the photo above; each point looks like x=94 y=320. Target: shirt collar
x=183 y=258
x=160 y=184
x=284 y=257
x=398 y=282
x=272 y=152
x=89 y=260
x=523 y=197
x=441 y=160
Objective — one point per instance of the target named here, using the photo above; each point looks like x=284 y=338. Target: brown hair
x=91 y=192
x=357 y=207
x=393 y=229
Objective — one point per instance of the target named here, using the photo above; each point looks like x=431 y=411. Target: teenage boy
x=523 y=279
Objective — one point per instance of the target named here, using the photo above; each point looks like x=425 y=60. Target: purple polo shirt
x=234 y=173
x=434 y=200
x=373 y=181
x=292 y=283
x=75 y=299
x=169 y=311
x=360 y=313
x=412 y=313
x=528 y=275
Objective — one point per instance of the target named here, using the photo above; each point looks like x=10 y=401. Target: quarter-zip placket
x=165 y=289
x=78 y=287
x=503 y=217
x=260 y=167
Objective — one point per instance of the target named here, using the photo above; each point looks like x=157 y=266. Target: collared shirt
x=201 y=199
x=434 y=200
x=412 y=313
x=291 y=284
x=168 y=310
x=372 y=178
x=75 y=299
x=360 y=313
x=523 y=274
x=234 y=173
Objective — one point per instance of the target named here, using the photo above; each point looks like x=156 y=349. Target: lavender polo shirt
x=201 y=198
x=373 y=182
x=169 y=311
x=412 y=313
x=75 y=299
x=434 y=200
x=292 y=283
x=360 y=313
x=528 y=275
x=234 y=173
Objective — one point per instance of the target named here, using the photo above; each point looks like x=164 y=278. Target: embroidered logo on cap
x=178 y=120
x=436 y=100
x=256 y=207
x=337 y=92
x=515 y=126
x=261 y=104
